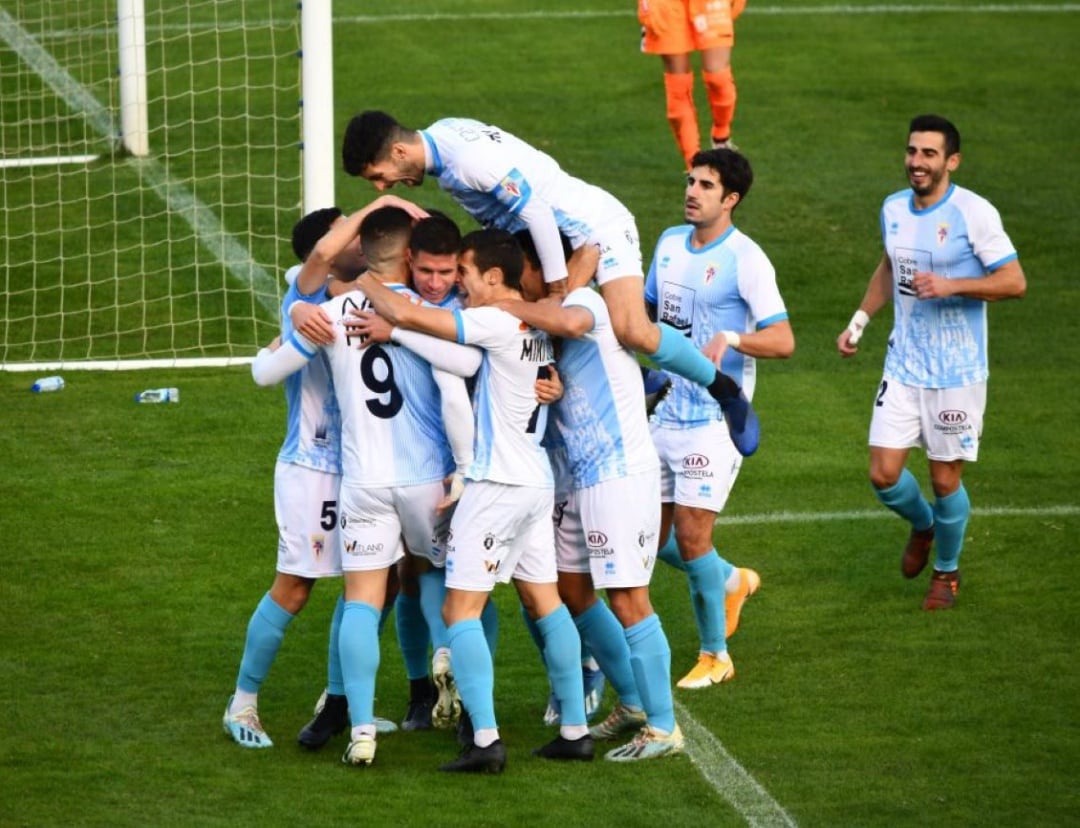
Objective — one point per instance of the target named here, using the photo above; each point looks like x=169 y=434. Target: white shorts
x=947 y=422
x=500 y=532
x=306 y=510
x=373 y=520
x=698 y=466
x=571 y=553
x=620 y=250
x=622 y=525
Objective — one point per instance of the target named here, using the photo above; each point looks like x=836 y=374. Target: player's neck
x=704 y=235
x=925 y=202
x=391 y=275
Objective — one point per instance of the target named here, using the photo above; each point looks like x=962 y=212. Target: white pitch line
x=1064 y=510
x=730 y=779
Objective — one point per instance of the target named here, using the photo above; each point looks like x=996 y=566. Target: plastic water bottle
x=48 y=384
x=158 y=395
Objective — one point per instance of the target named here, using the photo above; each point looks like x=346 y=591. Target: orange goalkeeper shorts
x=678 y=27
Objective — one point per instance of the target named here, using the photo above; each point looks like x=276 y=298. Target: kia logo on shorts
x=952 y=416
x=695 y=461
x=596 y=539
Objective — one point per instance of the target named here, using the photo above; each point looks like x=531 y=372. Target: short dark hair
x=736 y=174
x=496 y=248
x=368 y=138
x=532 y=255
x=437 y=234
x=312 y=227
x=935 y=123
x=384 y=234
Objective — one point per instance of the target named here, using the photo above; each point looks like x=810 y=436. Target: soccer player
x=501 y=529
x=306 y=479
x=946 y=255
x=709 y=279
x=606 y=532
x=394 y=460
x=504 y=182
x=674 y=29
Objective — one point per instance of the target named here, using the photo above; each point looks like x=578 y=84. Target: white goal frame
x=124 y=128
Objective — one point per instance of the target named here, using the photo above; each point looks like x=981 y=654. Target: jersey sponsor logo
x=952 y=421
x=596 y=538
x=358 y=549
x=677 y=306
x=906 y=263
x=513 y=192
x=695 y=461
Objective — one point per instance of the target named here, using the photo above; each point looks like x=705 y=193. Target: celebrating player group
x=469 y=410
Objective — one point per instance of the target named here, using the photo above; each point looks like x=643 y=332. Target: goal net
x=110 y=258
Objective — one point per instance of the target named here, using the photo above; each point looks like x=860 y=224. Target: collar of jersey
x=436 y=161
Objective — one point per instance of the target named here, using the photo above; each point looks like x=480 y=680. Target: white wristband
x=855 y=327
x=733 y=339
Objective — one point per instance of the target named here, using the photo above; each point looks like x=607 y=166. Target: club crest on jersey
x=513 y=191
x=710 y=273
x=942 y=234
x=318 y=542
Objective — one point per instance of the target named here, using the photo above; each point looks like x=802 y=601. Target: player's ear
x=952 y=162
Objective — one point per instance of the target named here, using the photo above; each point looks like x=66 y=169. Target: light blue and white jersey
x=313 y=421
x=452 y=300
x=509 y=421
x=940 y=343
x=498 y=178
x=601 y=416
x=728 y=285
x=391 y=419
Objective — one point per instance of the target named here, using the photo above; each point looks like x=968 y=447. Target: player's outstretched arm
x=556 y=320
x=400 y=311
x=272 y=366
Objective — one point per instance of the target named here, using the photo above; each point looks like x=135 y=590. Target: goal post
x=152 y=164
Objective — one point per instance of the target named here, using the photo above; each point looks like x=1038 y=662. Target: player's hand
x=312 y=323
x=930 y=286
x=369 y=326
x=415 y=211
x=275 y=343
x=844 y=345
x=455 y=485
x=549 y=390
x=715 y=348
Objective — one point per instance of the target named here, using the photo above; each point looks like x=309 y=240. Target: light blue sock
x=534 y=631
x=950 y=521
x=412 y=635
x=474 y=672
x=359 y=645
x=432 y=596
x=562 y=655
x=650 y=656
x=904 y=498
x=678 y=354
x=265 y=632
x=335 y=681
x=601 y=631
x=707 y=575
x=669 y=553
x=489 y=618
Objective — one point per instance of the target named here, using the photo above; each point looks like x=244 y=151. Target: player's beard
x=927 y=185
